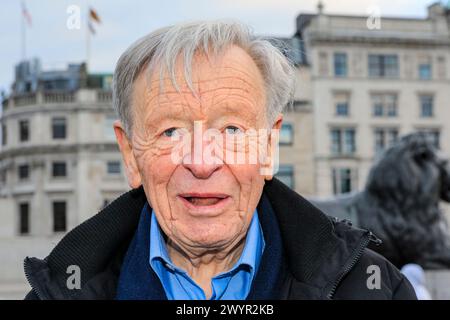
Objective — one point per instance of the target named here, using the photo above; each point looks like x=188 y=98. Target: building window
x=299 y=105
x=59 y=128
x=24 y=130
x=286 y=134
x=59 y=169
x=342 y=109
x=340 y=64
x=113 y=167
x=434 y=135
x=384 y=137
x=383 y=66
x=24 y=218
x=343 y=141
x=425 y=71
x=341 y=104
x=349 y=141
x=59 y=216
x=323 y=64
x=384 y=105
x=286 y=175
x=336 y=141
x=24 y=172
x=4 y=135
x=426 y=106
x=377 y=106
x=343 y=180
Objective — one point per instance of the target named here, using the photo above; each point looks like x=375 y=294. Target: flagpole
x=23 y=33
x=88 y=38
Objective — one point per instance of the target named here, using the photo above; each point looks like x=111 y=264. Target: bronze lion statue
x=400 y=204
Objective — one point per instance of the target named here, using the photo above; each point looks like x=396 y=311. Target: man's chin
x=209 y=239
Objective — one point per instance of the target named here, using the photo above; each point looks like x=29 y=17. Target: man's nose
x=205 y=155
x=202 y=170
x=201 y=163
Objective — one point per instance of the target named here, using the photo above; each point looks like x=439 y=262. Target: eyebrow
x=177 y=112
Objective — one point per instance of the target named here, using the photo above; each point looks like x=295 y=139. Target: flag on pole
x=26 y=15
x=93 y=18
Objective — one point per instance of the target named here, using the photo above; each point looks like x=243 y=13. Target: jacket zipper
x=369 y=236
x=31 y=282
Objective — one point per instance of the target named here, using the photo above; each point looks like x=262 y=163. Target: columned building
x=59 y=164
x=372 y=81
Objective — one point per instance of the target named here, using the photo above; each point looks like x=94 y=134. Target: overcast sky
x=123 y=21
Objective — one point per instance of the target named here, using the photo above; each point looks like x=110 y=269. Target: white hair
x=164 y=46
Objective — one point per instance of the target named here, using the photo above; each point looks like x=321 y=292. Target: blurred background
x=368 y=72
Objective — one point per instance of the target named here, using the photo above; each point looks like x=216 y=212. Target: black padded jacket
x=326 y=258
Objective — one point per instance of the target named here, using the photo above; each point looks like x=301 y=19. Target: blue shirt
x=234 y=284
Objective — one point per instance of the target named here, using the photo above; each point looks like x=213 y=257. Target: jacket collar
x=319 y=251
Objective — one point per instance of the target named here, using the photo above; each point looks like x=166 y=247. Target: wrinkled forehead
x=232 y=73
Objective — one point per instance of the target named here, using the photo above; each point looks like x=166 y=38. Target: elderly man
x=200 y=224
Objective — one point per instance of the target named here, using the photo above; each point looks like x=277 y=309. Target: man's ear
x=272 y=151
x=131 y=168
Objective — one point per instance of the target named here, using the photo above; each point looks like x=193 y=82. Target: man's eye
x=169 y=132
x=232 y=130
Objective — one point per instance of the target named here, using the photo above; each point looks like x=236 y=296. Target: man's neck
x=203 y=266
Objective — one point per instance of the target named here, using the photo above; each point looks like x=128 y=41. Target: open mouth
x=204 y=200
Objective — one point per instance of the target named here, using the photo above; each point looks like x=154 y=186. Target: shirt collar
x=250 y=256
